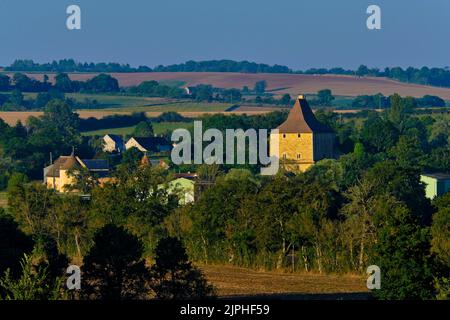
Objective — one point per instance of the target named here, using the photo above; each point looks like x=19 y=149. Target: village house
x=436 y=184
x=187 y=186
x=154 y=162
x=149 y=144
x=113 y=143
x=57 y=177
x=302 y=139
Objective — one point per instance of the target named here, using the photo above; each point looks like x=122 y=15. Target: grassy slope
x=177 y=107
x=116 y=101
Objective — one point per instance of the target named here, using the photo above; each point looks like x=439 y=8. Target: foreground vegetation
x=367 y=207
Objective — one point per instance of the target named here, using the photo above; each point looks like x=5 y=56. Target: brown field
x=283 y=83
x=11 y=117
x=234 y=282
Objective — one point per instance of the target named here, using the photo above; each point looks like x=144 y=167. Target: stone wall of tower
x=291 y=145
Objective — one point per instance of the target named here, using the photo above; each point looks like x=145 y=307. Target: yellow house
x=56 y=175
x=302 y=139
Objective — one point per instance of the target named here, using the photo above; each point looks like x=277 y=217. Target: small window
x=299 y=155
x=284 y=155
x=298 y=135
x=284 y=136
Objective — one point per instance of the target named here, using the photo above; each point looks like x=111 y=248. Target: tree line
x=429 y=76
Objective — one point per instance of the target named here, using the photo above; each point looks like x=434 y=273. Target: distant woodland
x=429 y=76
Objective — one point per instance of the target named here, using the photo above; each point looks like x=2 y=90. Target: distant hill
x=428 y=76
x=278 y=84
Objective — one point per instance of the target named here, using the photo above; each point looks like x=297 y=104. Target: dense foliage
x=342 y=215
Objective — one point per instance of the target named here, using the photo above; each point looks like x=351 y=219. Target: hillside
x=278 y=83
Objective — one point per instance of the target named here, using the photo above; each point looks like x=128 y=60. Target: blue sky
x=297 y=33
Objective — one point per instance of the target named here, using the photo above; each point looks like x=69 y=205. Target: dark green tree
x=378 y=134
x=13 y=245
x=260 y=87
x=143 y=129
x=440 y=245
x=63 y=83
x=5 y=82
x=324 y=97
x=402 y=252
x=114 y=268
x=131 y=157
x=174 y=277
x=285 y=99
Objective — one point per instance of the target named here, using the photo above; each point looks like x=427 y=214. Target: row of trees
x=429 y=76
x=114 y=268
x=27 y=148
x=379 y=101
x=101 y=83
x=16 y=101
x=70 y=65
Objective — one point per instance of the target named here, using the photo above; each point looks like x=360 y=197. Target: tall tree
x=402 y=253
x=324 y=97
x=114 y=269
x=260 y=87
x=143 y=129
x=174 y=277
x=13 y=245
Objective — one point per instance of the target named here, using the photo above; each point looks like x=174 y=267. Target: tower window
x=299 y=155
x=298 y=135
x=284 y=155
x=284 y=136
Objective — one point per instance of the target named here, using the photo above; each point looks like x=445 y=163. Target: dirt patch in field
x=233 y=281
x=282 y=83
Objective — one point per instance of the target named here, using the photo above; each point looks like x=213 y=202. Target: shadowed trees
x=13 y=245
x=402 y=252
x=114 y=268
x=174 y=277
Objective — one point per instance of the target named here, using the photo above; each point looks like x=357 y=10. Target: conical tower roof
x=301 y=119
x=145 y=161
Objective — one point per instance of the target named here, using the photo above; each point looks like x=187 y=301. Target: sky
x=298 y=33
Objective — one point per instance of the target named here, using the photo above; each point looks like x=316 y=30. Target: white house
x=113 y=143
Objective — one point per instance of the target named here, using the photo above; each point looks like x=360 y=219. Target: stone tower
x=302 y=139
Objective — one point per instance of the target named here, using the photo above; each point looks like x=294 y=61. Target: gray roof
x=96 y=164
x=439 y=176
x=152 y=143
x=116 y=138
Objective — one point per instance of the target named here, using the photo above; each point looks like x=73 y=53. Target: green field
x=3 y=199
x=174 y=106
x=119 y=103
x=158 y=128
x=109 y=100
x=116 y=101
